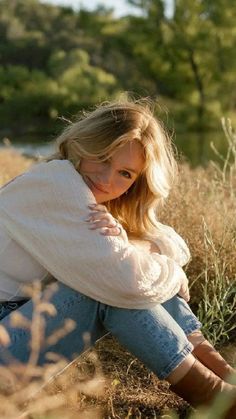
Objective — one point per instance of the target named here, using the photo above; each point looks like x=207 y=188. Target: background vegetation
x=54 y=61
x=109 y=382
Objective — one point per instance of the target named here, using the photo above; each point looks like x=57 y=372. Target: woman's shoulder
x=50 y=172
x=54 y=184
x=52 y=166
x=54 y=171
x=53 y=177
x=59 y=174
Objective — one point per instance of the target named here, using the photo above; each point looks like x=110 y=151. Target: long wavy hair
x=98 y=134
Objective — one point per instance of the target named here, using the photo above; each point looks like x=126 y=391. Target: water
x=194 y=147
x=34 y=149
x=31 y=148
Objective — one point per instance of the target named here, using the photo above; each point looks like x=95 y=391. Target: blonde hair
x=98 y=133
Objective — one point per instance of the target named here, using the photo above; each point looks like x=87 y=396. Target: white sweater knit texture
x=43 y=231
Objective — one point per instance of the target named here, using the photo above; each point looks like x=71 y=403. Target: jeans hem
x=178 y=359
x=193 y=327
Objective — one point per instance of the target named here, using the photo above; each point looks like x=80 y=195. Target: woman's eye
x=126 y=174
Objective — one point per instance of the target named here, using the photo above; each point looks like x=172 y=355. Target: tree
x=192 y=55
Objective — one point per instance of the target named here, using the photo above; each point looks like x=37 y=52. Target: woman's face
x=111 y=178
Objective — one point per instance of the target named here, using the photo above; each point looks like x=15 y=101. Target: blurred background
x=60 y=56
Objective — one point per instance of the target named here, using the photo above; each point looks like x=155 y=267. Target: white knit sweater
x=43 y=230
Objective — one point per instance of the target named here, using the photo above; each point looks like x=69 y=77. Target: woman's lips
x=95 y=185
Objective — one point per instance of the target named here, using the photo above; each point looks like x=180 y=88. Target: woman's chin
x=100 y=200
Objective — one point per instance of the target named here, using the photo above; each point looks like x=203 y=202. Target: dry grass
x=12 y=164
x=109 y=382
x=198 y=202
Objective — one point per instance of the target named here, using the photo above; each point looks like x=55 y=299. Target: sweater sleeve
x=171 y=244
x=44 y=211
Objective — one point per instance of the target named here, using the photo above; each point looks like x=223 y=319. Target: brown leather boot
x=200 y=386
x=212 y=359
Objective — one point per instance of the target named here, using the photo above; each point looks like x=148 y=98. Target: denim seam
x=188 y=348
x=193 y=327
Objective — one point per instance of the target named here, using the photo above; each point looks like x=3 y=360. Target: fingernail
x=92 y=226
x=92 y=205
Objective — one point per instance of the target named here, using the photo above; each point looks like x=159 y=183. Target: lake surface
x=194 y=147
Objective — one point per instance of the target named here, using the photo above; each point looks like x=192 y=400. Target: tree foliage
x=54 y=60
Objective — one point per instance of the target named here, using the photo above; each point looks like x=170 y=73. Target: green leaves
x=187 y=57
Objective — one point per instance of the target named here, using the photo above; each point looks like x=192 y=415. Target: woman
x=113 y=168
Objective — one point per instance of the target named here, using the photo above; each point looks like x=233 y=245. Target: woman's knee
x=153 y=336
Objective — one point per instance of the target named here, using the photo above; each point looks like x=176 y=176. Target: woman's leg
x=161 y=344
x=210 y=357
x=151 y=335
x=83 y=312
x=179 y=309
x=200 y=386
x=203 y=350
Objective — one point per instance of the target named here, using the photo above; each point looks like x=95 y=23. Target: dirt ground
x=114 y=384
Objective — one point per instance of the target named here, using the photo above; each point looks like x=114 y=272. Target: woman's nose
x=105 y=177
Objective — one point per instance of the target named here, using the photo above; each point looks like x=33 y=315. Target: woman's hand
x=184 y=290
x=100 y=218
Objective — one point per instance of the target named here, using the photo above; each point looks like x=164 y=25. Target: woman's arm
x=100 y=218
x=45 y=211
x=171 y=244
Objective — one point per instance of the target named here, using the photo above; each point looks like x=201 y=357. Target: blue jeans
x=157 y=336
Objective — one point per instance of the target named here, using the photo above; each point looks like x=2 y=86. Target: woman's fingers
x=184 y=291
x=185 y=294
x=115 y=231
x=103 y=222
x=101 y=219
x=98 y=207
x=105 y=217
x=106 y=230
x=98 y=211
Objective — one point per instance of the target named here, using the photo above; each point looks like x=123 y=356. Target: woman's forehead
x=130 y=155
